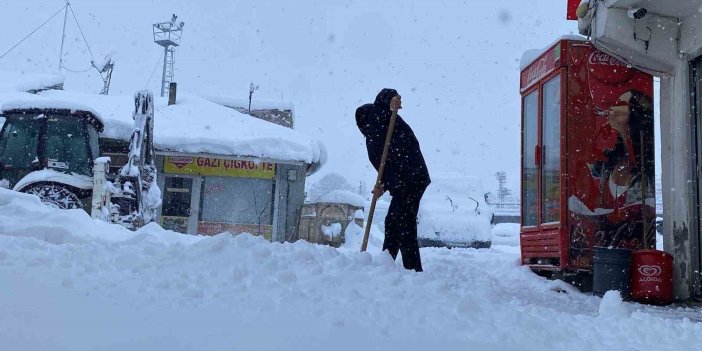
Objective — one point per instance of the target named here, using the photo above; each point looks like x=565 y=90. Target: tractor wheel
x=56 y=196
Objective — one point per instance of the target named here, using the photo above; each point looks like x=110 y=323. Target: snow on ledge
x=531 y=55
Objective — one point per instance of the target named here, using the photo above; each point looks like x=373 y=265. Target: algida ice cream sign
x=208 y=166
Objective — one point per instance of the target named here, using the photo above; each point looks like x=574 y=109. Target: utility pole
x=63 y=34
x=252 y=88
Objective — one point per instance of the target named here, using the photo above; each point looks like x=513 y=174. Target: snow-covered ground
x=69 y=283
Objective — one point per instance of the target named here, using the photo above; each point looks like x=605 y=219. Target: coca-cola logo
x=180 y=161
x=650 y=271
x=608 y=69
x=600 y=58
x=536 y=71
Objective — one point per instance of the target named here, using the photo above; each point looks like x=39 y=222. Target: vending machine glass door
x=551 y=152
x=530 y=174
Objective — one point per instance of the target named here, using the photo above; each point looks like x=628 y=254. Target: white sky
x=456 y=64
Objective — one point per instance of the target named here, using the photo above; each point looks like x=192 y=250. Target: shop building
x=218 y=169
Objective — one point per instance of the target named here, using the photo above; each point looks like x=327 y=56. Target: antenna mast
x=168 y=34
x=63 y=34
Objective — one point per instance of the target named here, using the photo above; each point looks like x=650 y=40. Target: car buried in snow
x=453 y=213
x=51 y=149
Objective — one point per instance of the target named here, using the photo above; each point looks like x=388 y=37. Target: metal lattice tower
x=168 y=35
x=503 y=194
x=169 y=66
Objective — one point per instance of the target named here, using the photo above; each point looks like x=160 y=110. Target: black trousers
x=401 y=227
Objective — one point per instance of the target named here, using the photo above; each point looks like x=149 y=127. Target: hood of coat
x=384 y=97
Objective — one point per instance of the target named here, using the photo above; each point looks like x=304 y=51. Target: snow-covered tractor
x=51 y=149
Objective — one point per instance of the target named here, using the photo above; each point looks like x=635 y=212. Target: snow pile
x=193 y=125
x=73 y=283
x=353 y=238
x=612 y=306
x=332 y=230
x=453 y=210
x=506 y=234
x=23 y=215
x=29 y=82
x=342 y=197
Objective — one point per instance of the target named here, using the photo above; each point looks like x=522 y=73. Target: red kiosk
x=587 y=157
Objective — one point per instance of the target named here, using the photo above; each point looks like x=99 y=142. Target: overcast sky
x=456 y=64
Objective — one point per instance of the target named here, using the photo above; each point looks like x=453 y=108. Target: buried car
x=453 y=213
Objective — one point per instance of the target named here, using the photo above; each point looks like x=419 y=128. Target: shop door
x=541 y=172
x=696 y=239
x=177 y=199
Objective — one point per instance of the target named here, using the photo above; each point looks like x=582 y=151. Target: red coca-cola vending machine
x=587 y=173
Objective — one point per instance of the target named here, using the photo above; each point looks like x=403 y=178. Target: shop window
x=176 y=197
x=237 y=200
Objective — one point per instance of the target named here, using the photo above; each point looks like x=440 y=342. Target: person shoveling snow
x=394 y=151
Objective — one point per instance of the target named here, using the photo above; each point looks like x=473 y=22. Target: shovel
x=381 y=169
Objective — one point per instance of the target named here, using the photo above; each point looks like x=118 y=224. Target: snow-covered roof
x=29 y=82
x=342 y=197
x=30 y=102
x=531 y=55
x=244 y=103
x=193 y=125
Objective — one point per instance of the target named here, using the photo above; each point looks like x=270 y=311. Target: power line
x=153 y=71
x=81 y=31
x=28 y=35
x=76 y=70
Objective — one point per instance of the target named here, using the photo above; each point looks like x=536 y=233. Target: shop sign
x=208 y=166
x=541 y=67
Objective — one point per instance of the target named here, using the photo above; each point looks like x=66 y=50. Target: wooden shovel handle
x=378 y=181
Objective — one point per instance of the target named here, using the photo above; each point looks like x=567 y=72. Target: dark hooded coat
x=405 y=168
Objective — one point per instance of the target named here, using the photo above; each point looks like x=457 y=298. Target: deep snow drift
x=70 y=283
